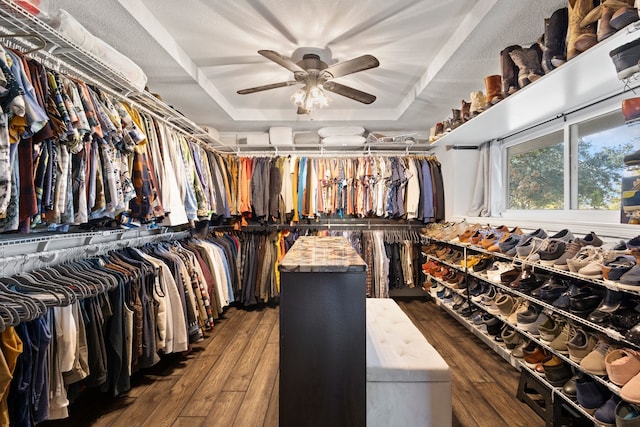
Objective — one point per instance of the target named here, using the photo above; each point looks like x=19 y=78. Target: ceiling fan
x=313 y=72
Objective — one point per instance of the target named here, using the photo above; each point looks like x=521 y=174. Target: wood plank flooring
x=231 y=379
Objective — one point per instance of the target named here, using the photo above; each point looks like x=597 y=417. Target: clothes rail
x=329 y=153
x=11 y=265
x=373 y=225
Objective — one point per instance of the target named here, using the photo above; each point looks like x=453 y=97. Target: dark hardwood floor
x=231 y=379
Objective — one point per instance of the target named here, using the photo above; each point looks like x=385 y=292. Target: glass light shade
x=311 y=98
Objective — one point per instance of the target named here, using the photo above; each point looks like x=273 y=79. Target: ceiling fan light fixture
x=311 y=98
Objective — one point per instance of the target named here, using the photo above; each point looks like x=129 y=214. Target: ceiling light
x=311 y=97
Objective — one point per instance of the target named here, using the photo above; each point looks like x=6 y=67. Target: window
x=536 y=173
x=601 y=146
x=584 y=173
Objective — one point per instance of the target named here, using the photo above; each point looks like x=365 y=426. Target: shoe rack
x=439 y=287
x=582 y=81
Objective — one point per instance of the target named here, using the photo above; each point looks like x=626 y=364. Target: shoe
x=527 y=59
x=519 y=307
x=509 y=70
x=482 y=265
x=631 y=279
x=559 y=343
x=494 y=325
x=549 y=330
x=590 y=395
x=511 y=338
x=534 y=354
x=505 y=305
x=529 y=320
x=564 y=235
x=623 y=17
x=552 y=289
x=585 y=256
x=582 y=305
x=555 y=36
x=496 y=269
x=569 y=388
x=556 y=371
x=518 y=352
x=552 y=252
x=633 y=334
x=509 y=244
x=580 y=345
x=606 y=414
x=572 y=249
x=625 y=319
x=621 y=365
x=563 y=301
x=625 y=59
x=631 y=112
x=614 y=269
x=627 y=415
x=591 y=239
x=526 y=281
x=593 y=363
x=631 y=390
x=493 y=86
x=509 y=276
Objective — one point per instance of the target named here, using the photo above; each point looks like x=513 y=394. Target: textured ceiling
x=197 y=54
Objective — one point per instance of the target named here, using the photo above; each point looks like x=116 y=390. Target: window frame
x=569 y=215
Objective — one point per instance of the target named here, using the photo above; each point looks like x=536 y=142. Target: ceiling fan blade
x=282 y=61
x=303 y=111
x=267 y=87
x=349 y=92
x=351 y=66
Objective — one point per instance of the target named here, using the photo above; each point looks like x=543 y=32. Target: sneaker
x=521 y=306
x=552 y=289
x=593 y=363
x=511 y=338
x=494 y=272
x=505 y=305
x=614 y=269
x=590 y=239
x=631 y=279
x=564 y=235
x=509 y=244
x=582 y=258
x=580 y=345
x=552 y=252
x=631 y=390
x=559 y=343
x=529 y=320
x=572 y=249
x=549 y=330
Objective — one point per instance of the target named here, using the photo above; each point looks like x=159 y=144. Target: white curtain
x=487 y=193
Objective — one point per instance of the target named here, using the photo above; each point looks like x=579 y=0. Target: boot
x=624 y=16
x=554 y=51
x=465 y=111
x=529 y=67
x=509 y=71
x=578 y=10
x=604 y=26
x=478 y=102
x=493 y=86
x=456 y=119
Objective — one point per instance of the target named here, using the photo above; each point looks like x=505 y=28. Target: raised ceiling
x=197 y=54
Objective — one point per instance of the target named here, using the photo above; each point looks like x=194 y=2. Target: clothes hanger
x=42 y=43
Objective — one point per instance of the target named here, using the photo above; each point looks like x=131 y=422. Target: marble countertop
x=324 y=254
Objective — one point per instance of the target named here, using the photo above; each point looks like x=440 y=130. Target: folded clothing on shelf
x=76 y=33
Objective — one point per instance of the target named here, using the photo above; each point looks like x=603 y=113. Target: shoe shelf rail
x=557 y=391
x=484 y=337
x=459 y=291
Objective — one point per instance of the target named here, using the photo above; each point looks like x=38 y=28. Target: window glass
x=536 y=173
x=602 y=144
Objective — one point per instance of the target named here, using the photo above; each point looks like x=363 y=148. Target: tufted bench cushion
x=408 y=382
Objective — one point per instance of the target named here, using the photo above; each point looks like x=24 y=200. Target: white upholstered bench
x=408 y=382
